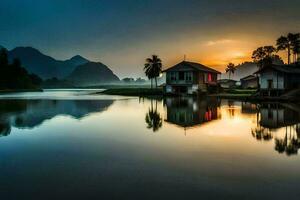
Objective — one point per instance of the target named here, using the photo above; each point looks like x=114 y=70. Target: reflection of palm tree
x=231 y=108
x=289 y=144
x=153 y=118
x=262 y=134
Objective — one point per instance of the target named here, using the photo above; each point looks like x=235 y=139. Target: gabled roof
x=196 y=66
x=290 y=69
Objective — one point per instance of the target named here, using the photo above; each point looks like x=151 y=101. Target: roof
x=250 y=77
x=196 y=66
x=290 y=69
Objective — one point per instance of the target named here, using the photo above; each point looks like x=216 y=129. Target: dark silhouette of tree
x=289 y=43
x=3 y=58
x=153 y=68
x=5 y=129
x=14 y=76
x=36 y=80
x=230 y=69
x=153 y=118
x=264 y=56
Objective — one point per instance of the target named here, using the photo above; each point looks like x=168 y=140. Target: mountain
x=77 y=60
x=242 y=70
x=92 y=73
x=42 y=65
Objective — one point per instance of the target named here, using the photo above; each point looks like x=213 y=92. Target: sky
x=123 y=33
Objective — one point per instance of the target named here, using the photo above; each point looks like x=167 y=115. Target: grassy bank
x=134 y=91
x=239 y=94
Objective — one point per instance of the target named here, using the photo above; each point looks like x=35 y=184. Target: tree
x=289 y=43
x=153 y=68
x=230 y=69
x=14 y=76
x=264 y=56
x=3 y=58
x=296 y=48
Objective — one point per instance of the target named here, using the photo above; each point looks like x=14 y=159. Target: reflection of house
x=187 y=112
x=249 y=82
x=276 y=115
x=249 y=108
x=189 y=78
x=276 y=79
x=227 y=83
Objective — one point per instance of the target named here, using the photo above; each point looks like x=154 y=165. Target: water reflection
x=281 y=123
x=275 y=122
x=153 y=117
x=32 y=113
x=189 y=112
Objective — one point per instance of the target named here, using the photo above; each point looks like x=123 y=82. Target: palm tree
x=230 y=69
x=289 y=43
x=153 y=68
x=296 y=48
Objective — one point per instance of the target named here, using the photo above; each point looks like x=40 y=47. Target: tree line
x=13 y=76
x=266 y=55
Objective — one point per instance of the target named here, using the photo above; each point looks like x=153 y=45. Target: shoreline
x=242 y=96
x=20 y=90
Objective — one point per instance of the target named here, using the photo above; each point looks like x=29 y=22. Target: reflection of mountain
x=28 y=114
x=188 y=112
x=275 y=116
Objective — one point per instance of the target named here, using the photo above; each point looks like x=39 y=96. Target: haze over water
x=74 y=144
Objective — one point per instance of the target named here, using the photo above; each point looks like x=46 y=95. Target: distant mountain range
x=88 y=74
x=47 y=67
x=242 y=70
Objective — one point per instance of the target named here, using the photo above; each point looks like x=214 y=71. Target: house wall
x=249 y=84
x=193 y=80
x=278 y=80
x=173 y=77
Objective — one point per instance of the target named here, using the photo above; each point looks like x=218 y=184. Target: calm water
x=77 y=145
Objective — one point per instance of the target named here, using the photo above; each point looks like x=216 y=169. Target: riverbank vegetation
x=134 y=91
x=13 y=77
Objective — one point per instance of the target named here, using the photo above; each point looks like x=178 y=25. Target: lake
x=73 y=144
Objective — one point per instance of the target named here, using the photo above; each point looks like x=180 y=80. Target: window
x=173 y=76
x=209 y=77
x=181 y=76
x=188 y=76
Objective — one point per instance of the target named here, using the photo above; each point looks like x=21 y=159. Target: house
x=227 y=83
x=249 y=82
x=275 y=80
x=190 y=78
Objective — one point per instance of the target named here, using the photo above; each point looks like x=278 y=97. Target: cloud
x=218 y=42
